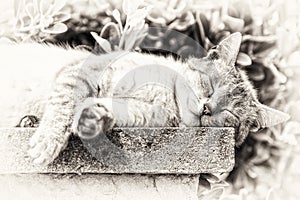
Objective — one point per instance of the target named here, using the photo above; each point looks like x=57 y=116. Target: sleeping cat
x=71 y=91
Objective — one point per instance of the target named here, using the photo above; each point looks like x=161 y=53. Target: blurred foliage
x=125 y=37
x=36 y=20
x=271 y=33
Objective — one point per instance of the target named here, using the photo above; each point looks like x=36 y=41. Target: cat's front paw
x=93 y=120
x=29 y=121
x=45 y=147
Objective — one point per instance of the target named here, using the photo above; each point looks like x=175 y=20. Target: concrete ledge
x=128 y=150
x=98 y=186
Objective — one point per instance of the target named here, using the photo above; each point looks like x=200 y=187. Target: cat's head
x=232 y=101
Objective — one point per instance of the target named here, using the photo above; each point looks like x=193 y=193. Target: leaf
x=178 y=6
x=263 y=138
x=17 y=7
x=294 y=59
x=104 y=44
x=56 y=28
x=252 y=173
x=58 y=5
x=259 y=39
x=130 y=40
x=243 y=59
x=27 y=21
x=264 y=49
x=256 y=72
x=261 y=154
x=213 y=194
x=139 y=39
x=204 y=183
x=24 y=24
x=135 y=18
x=62 y=17
x=210 y=177
x=280 y=77
x=273 y=194
x=19 y=23
x=291 y=128
x=116 y=14
x=45 y=7
x=233 y=11
x=129 y=6
x=184 y=22
x=203 y=25
x=126 y=6
x=234 y=24
x=5 y=40
x=108 y=28
x=30 y=10
x=156 y=19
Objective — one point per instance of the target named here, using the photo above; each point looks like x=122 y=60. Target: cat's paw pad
x=94 y=120
x=29 y=121
x=45 y=148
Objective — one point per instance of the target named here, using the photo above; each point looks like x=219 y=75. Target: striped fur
x=74 y=91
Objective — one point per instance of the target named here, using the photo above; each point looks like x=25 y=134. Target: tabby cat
x=71 y=91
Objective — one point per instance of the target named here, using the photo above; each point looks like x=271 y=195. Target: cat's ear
x=228 y=49
x=268 y=117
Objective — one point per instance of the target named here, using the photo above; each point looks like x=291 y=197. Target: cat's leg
x=98 y=115
x=52 y=135
x=225 y=119
x=92 y=117
x=74 y=83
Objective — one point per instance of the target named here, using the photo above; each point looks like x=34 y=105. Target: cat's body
x=91 y=94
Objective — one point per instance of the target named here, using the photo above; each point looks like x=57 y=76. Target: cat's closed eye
x=215 y=47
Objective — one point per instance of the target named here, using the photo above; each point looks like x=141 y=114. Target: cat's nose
x=206 y=110
x=203 y=105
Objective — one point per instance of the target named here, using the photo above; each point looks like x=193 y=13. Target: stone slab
x=128 y=150
x=98 y=186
